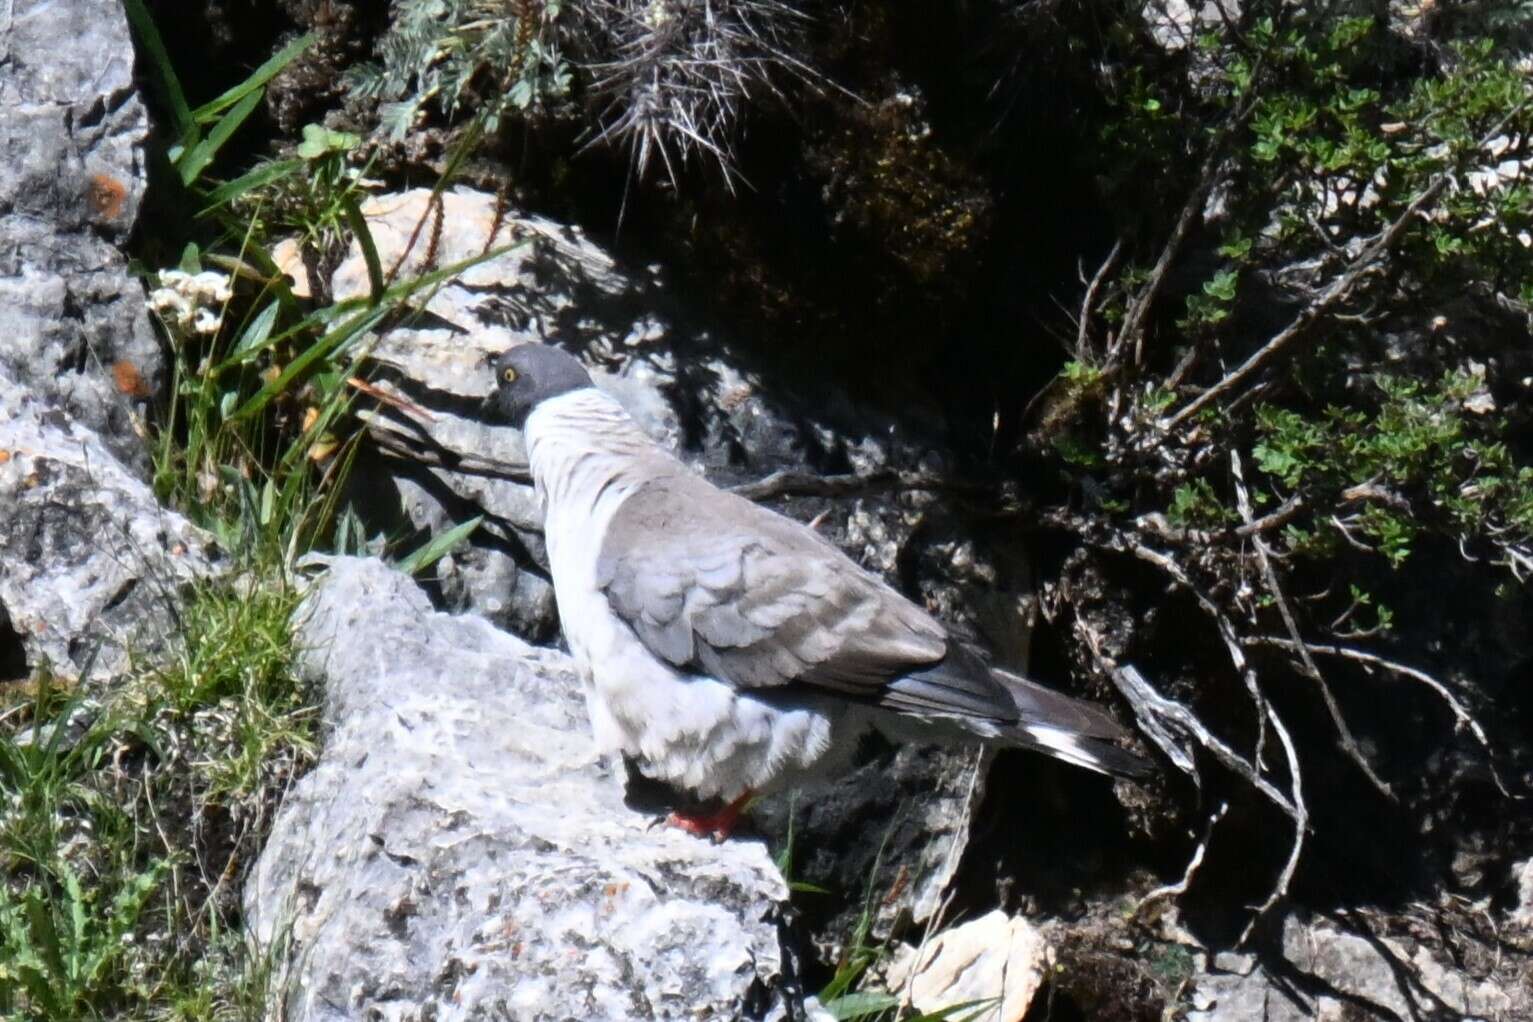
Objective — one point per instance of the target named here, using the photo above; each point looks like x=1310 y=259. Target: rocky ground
x=846 y=315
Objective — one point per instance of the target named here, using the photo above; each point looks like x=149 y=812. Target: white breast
x=587 y=458
x=585 y=454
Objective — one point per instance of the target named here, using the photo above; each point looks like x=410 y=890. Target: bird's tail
x=1067 y=729
x=965 y=695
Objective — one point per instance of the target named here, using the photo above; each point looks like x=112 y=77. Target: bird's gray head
x=530 y=374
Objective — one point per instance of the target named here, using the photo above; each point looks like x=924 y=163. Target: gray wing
x=711 y=582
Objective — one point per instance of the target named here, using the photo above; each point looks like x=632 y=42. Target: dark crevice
x=13 y=651
x=93 y=115
x=119 y=597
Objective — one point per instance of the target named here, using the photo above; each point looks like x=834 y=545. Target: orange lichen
x=106 y=196
x=129 y=380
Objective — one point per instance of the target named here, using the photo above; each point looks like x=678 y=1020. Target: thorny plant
x=1365 y=206
x=674 y=76
x=669 y=79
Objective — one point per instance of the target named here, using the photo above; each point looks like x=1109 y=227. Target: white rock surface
x=71 y=136
x=1522 y=913
x=460 y=853
x=90 y=564
x=996 y=960
x=1352 y=976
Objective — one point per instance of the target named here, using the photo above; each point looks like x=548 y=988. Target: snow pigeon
x=729 y=650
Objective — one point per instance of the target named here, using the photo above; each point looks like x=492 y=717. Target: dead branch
x=1180 y=887
x=1307 y=663
x=1300 y=825
x=1159 y=717
x=1090 y=298
x=1465 y=720
x=1272 y=520
x=1155 y=710
x=1374 y=492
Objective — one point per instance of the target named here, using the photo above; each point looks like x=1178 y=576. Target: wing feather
x=709 y=580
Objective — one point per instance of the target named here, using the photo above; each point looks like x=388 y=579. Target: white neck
x=583 y=448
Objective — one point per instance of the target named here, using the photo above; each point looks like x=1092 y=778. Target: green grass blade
x=860 y=1004
x=255 y=333
x=261 y=176
x=180 y=114
x=359 y=227
x=967 y=1011
x=313 y=321
x=438 y=547
x=260 y=76
x=323 y=348
x=196 y=159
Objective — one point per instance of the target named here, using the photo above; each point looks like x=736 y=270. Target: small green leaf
x=255 y=333
x=191 y=258
x=438 y=547
x=1222 y=286
x=860 y=1004
x=319 y=140
x=520 y=95
x=268 y=502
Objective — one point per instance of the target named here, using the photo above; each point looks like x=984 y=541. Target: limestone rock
x=90 y=563
x=71 y=131
x=1348 y=972
x=1522 y=914
x=994 y=960
x=459 y=852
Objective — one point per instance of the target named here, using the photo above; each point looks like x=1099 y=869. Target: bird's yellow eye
x=508 y=374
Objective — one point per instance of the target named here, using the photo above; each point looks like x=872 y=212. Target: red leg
x=719 y=824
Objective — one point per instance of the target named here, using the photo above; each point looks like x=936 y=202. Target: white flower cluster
x=191 y=302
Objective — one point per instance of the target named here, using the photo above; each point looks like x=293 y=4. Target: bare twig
x=1090 y=298
x=1272 y=520
x=1461 y=714
x=1346 y=534
x=1300 y=825
x=1208 y=176
x=1309 y=668
x=1180 y=887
